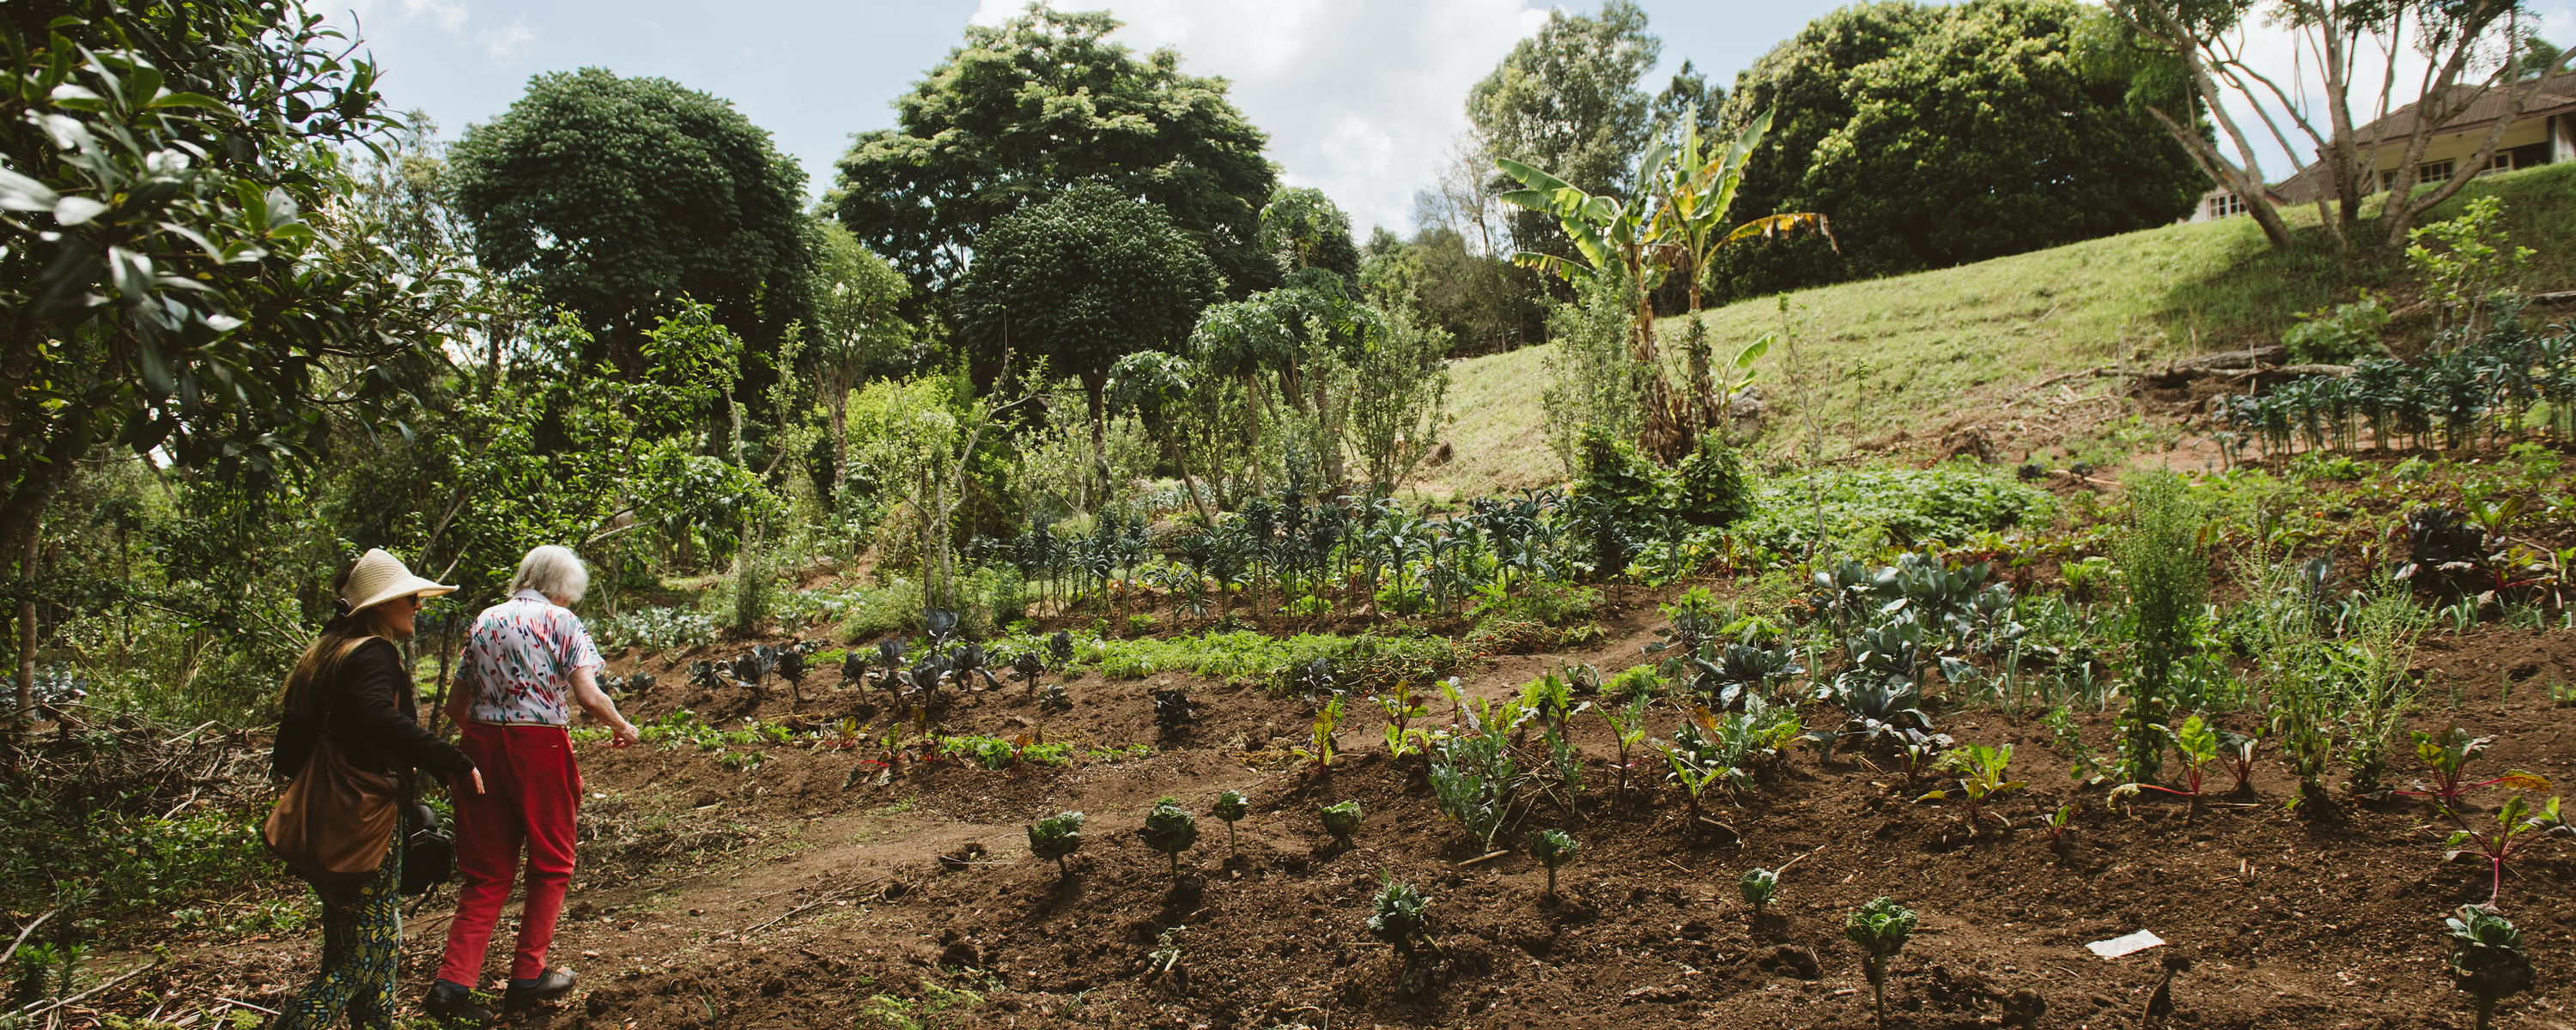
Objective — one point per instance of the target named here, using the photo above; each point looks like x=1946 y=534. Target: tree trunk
x=32 y=549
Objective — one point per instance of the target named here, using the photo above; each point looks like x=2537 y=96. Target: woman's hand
x=625 y=735
x=475 y=775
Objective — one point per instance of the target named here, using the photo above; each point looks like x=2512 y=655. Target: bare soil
x=819 y=888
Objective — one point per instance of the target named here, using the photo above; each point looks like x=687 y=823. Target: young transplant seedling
x=1758 y=886
x=1552 y=848
x=2487 y=959
x=2198 y=745
x=1981 y=771
x=2448 y=755
x=1401 y=921
x=1057 y=837
x=1170 y=829
x=1230 y=809
x=1342 y=819
x=1881 y=928
x=2515 y=825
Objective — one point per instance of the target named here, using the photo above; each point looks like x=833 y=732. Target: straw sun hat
x=380 y=577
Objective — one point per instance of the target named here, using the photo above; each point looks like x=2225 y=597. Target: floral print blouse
x=520 y=659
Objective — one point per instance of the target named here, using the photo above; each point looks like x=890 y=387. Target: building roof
x=2557 y=95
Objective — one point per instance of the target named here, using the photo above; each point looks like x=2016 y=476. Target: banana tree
x=1696 y=189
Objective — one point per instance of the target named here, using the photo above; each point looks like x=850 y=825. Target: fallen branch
x=41 y=1008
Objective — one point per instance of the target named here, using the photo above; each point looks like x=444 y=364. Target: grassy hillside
x=1919 y=354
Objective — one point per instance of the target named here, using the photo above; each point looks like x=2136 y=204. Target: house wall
x=2529 y=132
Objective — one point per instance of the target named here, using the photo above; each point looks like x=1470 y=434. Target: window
x=2430 y=171
x=2501 y=162
x=2224 y=204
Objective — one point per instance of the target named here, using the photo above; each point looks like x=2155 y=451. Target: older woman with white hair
x=527 y=664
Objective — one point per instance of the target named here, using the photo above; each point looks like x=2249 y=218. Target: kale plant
x=1881 y=929
x=1552 y=848
x=1230 y=808
x=1056 y=837
x=1170 y=829
x=1401 y=920
x=1758 y=886
x=1341 y=820
x=2487 y=959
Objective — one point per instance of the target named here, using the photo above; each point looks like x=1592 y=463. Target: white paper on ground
x=2122 y=945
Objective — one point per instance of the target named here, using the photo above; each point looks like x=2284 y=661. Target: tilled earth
x=818 y=889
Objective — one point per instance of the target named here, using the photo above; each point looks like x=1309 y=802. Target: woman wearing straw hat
x=351 y=690
x=528 y=662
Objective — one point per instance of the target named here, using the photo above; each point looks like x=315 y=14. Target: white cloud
x=1361 y=98
x=449 y=14
x=507 y=44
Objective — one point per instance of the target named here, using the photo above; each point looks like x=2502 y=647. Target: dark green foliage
x=2161 y=560
x=1401 y=918
x=616 y=197
x=1056 y=837
x=1170 y=829
x=1022 y=110
x=1758 y=886
x=1568 y=100
x=2464 y=389
x=1302 y=228
x=1710 y=487
x=2486 y=959
x=1083 y=279
x=1934 y=136
x=1707 y=488
x=1553 y=848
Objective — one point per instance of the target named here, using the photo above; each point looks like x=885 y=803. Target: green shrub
x=2338 y=336
x=1949 y=503
x=887 y=610
x=2158 y=550
x=1710 y=487
x=753 y=597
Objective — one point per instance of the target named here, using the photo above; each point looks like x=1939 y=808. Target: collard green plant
x=2486 y=959
x=1341 y=820
x=1552 y=848
x=1170 y=829
x=1230 y=808
x=1056 y=837
x=1881 y=929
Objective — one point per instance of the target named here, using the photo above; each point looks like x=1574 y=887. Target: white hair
x=553 y=571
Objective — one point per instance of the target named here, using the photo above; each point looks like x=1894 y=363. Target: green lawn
x=1915 y=354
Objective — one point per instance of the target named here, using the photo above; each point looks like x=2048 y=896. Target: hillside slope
x=1914 y=354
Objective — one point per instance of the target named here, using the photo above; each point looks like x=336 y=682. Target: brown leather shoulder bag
x=334 y=823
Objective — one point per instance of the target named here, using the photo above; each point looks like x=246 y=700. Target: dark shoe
x=546 y=987
x=452 y=1005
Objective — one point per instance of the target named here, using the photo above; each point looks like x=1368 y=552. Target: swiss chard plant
x=1056 y=837
x=1881 y=929
x=1983 y=773
x=1170 y=829
x=2516 y=826
x=1318 y=752
x=2486 y=959
x=2447 y=757
x=1552 y=848
x=2198 y=746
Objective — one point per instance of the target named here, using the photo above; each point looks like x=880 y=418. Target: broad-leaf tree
x=1303 y=228
x=1023 y=110
x=170 y=287
x=1567 y=99
x=1941 y=135
x=858 y=322
x=615 y=197
x=1082 y=280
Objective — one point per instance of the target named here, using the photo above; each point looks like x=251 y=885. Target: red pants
x=530 y=789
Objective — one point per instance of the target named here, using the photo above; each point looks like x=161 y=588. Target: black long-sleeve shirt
x=369 y=708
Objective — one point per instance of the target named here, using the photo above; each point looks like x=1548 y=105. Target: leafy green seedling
x=1342 y=819
x=2487 y=959
x=1881 y=928
x=1981 y=771
x=1401 y=920
x=1758 y=886
x=2237 y=750
x=1057 y=837
x=2198 y=745
x=1553 y=848
x=2516 y=824
x=1170 y=829
x=2060 y=821
x=1230 y=809
x=2448 y=756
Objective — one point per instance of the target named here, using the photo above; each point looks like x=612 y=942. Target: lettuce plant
x=1341 y=820
x=1230 y=809
x=2487 y=959
x=1170 y=829
x=1056 y=837
x=1552 y=848
x=1881 y=929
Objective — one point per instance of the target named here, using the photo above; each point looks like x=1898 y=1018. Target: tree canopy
x=1084 y=279
x=615 y=197
x=1568 y=99
x=1303 y=228
x=1938 y=135
x=1024 y=110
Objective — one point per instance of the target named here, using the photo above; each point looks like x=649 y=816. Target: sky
x=1362 y=98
